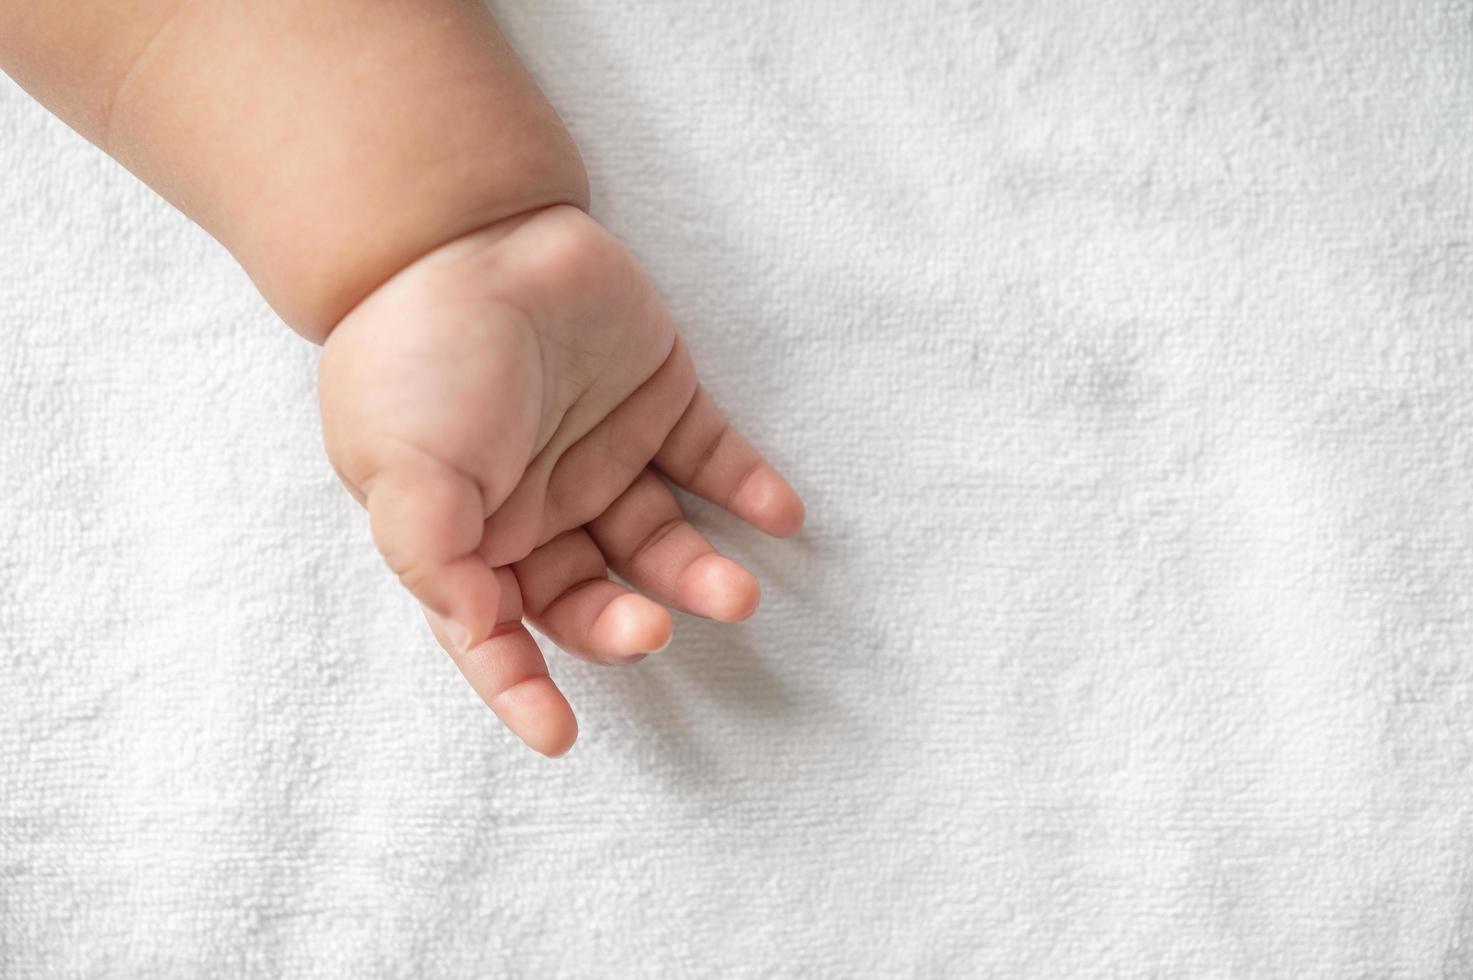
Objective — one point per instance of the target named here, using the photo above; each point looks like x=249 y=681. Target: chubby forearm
x=327 y=144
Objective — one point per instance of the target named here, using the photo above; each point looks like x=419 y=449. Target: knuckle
x=708 y=453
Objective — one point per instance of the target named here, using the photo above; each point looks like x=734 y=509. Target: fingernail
x=450 y=631
x=664 y=646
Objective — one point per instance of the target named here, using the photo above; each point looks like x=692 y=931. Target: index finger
x=707 y=456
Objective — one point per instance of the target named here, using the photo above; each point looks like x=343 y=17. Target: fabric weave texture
x=1123 y=353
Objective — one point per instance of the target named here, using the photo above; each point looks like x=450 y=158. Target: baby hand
x=508 y=409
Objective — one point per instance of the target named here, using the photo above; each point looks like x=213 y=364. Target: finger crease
x=502 y=629
x=746 y=478
x=568 y=593
x=654 y=538
x=699 y=469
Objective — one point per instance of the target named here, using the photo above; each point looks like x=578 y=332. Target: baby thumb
x=427 y=521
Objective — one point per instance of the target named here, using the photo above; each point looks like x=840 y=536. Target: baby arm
x=500 y=386
x=327 y=144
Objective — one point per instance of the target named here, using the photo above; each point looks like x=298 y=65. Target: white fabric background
x=1124 y=355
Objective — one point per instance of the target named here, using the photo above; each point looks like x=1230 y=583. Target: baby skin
x=500 y=386
x=508 y=409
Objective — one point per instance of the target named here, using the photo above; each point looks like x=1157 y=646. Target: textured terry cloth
x=1124 y=355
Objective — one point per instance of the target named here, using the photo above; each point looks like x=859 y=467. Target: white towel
x=1124 y=355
